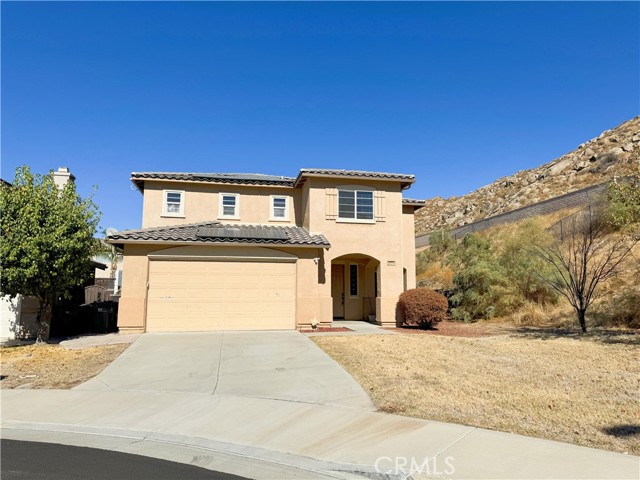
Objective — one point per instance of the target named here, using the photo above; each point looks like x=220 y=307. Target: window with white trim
x=355 y=205
x=229 y=205
x=353 y=280
x=279 y=208
x=173 y=203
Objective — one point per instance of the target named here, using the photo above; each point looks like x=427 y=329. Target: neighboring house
x=246 y=251
x=18 y=315
x=102 y=268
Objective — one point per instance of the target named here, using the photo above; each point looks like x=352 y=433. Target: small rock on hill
x=613 y=153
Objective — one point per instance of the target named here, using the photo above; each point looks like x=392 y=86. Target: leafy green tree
x=46 y=241
x=479 y=279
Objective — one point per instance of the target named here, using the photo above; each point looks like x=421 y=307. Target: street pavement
x=280 y=408
x=50 y=461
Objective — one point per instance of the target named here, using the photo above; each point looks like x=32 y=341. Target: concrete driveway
x=269 y=365
x=270 y=405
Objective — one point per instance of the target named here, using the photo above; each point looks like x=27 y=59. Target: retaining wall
x=578 y=198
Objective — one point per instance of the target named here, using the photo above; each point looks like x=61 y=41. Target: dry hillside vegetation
x=572 y=388
x=439 y=276
x=618 y=300
x=615 y=152
x=53 y=366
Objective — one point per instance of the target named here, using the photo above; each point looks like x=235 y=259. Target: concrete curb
x=324 y=439
x=147 y=444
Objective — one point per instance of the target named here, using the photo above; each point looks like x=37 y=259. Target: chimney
x=62 y=176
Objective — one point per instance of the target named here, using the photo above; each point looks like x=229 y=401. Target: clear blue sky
x=458 y=94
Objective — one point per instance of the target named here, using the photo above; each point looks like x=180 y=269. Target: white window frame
x=355 y=190
x=357 y=295
x=236 y=215
x=165 y=212
x=272 y=208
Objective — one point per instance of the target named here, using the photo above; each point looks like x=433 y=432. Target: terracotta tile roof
x=355 y=173
x=138 y=178
x=216 y=232
x=227 y=178
x=406 y=180
x=412 y=202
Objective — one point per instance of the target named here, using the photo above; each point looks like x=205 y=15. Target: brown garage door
x=220 y=295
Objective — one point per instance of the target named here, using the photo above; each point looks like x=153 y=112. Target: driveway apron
x=274 y=365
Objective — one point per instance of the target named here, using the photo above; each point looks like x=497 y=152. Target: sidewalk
x=329 y=440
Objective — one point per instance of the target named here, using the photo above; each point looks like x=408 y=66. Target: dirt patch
x=580 y=389
x=457 y=329
x=52 y=366
x=327 y=330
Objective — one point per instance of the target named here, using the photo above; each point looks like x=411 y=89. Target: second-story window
x=279 y=208
x=229 y=205
x=355 y=205
x=173 y=203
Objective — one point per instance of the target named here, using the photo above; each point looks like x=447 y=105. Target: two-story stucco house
x=244 y=251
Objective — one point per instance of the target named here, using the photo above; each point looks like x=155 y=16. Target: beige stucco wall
x=409 y=245
x=313 y=297
x=383 y=240
x=132 y=305
x=201 y=203
x=386 y=246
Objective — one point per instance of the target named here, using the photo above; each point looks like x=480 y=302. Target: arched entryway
x=355 y=285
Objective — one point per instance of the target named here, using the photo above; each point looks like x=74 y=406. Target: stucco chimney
x=62 y=176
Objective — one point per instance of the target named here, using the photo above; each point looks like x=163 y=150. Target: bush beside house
x=422 y=307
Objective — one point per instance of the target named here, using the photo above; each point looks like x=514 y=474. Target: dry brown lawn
x=53 y=366
x=566 y=387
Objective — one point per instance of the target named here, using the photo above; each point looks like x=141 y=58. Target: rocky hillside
x=615 y=152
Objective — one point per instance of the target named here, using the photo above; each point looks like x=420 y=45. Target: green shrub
x=524 y=269
x=623 y=204
x=423 y=260
x=478 y=280
x=440 y=243
x=423 y=307
x=498 y=274
x=620 y=310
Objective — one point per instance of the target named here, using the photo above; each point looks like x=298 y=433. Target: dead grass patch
x=580 y=389
x=53 y=366
x=326 y=330
x=458 y=329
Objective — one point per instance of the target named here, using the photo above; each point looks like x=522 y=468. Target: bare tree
x=583 y=256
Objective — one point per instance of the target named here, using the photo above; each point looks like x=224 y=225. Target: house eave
x=404 y=183
x=121 y=243
x=140 y=181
